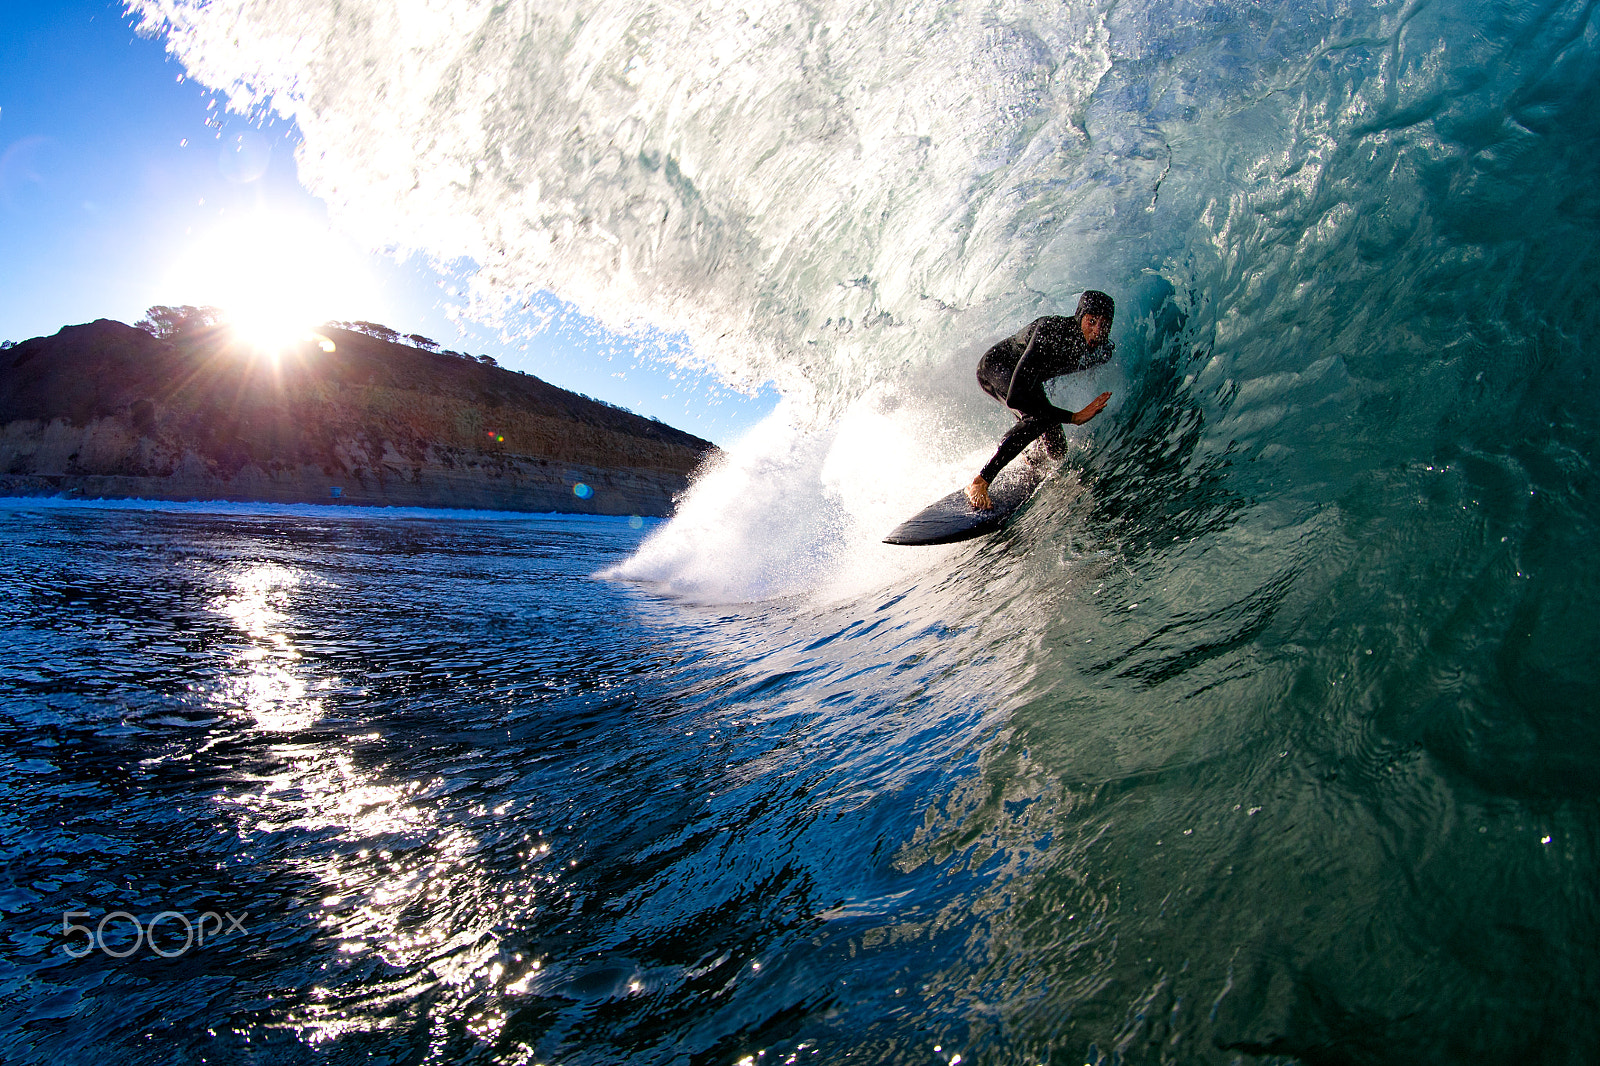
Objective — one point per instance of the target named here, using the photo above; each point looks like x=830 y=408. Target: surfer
x=1015 y=371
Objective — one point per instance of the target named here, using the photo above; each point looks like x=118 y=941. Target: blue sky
x=111 y=178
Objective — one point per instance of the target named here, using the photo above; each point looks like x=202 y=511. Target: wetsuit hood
x=1095 y=302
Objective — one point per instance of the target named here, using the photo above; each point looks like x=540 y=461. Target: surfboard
x=952 y=518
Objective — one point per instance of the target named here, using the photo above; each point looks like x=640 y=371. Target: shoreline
x=11 y=502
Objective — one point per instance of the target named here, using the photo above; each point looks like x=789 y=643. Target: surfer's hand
x=1096 y=405
x=978 y=495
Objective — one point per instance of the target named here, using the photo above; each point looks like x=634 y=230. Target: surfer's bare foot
x=978 y=495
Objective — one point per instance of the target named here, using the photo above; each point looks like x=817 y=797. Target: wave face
x=1300 y=686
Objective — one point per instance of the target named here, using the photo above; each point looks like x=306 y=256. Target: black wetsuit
x=1014 y=372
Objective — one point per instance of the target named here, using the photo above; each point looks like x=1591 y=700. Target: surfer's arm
x=1096 y=405
x=1024 y=392
x=1012 y=397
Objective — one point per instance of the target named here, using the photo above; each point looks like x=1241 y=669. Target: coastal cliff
x=108 y=410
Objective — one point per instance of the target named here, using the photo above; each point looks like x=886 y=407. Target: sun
x=274 y=276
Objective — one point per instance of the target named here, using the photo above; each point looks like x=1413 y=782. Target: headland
x=110 y=410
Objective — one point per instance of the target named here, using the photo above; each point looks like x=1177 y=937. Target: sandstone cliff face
x=108 y=410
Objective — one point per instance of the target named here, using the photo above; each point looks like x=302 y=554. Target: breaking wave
x=1329 y=557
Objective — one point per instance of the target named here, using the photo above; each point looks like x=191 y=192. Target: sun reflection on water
x=399 y=882
x=267 y=680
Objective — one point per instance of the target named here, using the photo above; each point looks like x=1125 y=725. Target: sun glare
x=275 y=277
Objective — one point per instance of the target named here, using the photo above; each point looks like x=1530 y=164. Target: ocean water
x=1268 y=732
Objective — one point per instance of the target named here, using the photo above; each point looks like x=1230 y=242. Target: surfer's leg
x=1024 y=433
x=994 y=370
x=1054 y=443
x=988 y=384
x=1044 y=453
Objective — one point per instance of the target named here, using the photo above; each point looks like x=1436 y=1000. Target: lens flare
x=274 y=276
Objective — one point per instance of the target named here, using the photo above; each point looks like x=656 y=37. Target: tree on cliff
x=166 y=323
x=374 y=329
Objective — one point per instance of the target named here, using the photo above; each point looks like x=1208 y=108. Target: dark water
x=465 y=800
x=467 y=803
